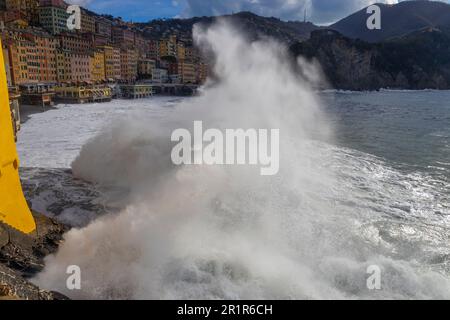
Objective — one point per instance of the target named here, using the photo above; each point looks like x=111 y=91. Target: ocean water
x=391 y=160
x=363 y=185
x=409 y=129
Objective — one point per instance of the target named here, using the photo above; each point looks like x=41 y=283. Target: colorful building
x=140 y=44
x=45 y=53
x=73 y=67
x=111 y=61
x=63 y=70
x=98 y=66
x=27 y=8
x=128 y=64
x=96 y=40
x=80 y=64
x=202 y=72
x=168 y=47
x=103 y=27
x=108 y=54
x=160 y=75
x=136 y=91
x=103 y=50
x=54 y=18
x=187 y=72
x=145 y=68
x=31 y=56
x=181 y=51
x=192 y=54
x=18 y=51
x=122 y=36
x=14 y=18
x=117 y=62
x=87 y=22
x=74 y=42
x=153 y=49
x=39 y=94
x=73 y=94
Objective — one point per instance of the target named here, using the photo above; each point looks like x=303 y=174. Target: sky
x=318 y=11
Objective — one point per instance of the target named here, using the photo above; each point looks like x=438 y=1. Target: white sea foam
x=227 y=232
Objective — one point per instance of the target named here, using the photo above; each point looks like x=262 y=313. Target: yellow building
x=31 y=56
x=83 y=94
x=168 y=47
x=98 y=66
x=19 y=51
x=145 y=67
x=111 y=62
x=117 y=67
x=203 y=72
x=62 y=66
x=75 y=94
x=163 y=48
x=187 y=72
x=136 y=91
x=181 y=51
x=108 y=61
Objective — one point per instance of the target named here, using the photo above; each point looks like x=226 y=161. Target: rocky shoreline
x=66 y=203
x=21 y=257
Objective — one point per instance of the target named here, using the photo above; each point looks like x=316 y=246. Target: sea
x=372 y=196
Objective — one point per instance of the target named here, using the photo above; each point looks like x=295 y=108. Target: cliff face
x=418 y=61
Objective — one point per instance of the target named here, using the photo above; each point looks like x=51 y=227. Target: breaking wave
x=225 y=232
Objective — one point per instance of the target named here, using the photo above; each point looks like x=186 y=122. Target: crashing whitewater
x=226 y=232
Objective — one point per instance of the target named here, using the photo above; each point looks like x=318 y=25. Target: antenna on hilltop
x=304 y=20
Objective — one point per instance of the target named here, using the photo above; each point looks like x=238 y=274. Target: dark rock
x=420 y=60
x=66 y=202
x=22 y=256
x=57 y=194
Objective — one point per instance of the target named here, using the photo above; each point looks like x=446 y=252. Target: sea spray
x=225 y=231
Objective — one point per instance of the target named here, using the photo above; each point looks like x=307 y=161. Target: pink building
x=80 y=67
x=123 y=36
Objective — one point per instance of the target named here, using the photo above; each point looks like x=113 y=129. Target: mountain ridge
x=396 y=20
x=252 y=24
x=420 y=60
x=409 y=52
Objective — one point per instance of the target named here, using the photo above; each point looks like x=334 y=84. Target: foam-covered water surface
x=343 y=200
